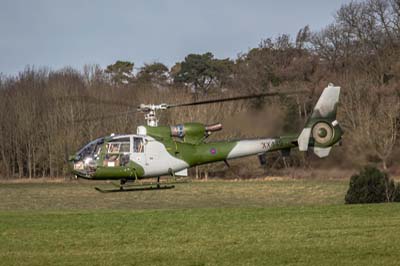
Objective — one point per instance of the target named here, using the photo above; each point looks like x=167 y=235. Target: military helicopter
x=156 y=151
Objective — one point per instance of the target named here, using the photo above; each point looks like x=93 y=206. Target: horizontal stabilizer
x=183 y=172
x=303 y=139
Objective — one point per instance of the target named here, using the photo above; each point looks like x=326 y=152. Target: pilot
x=141 y=146
x=114 y=148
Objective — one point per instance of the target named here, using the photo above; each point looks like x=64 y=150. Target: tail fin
x=322 y=130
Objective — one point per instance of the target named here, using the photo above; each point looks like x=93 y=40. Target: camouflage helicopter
x=156 y=151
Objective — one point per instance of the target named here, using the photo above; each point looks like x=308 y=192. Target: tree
x=121 y=72
x=156 y=73
x=371 y=118
x=364 y=38
x=202 y=71
x=328 y=44
x=303 y=36
x=224 y=72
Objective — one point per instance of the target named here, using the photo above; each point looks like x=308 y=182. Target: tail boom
x=260 y=146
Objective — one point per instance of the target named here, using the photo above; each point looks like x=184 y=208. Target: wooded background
x=47 y=115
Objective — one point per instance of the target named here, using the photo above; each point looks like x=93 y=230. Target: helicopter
x=156 y=151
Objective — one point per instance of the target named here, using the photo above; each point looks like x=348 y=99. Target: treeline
x=47 y=115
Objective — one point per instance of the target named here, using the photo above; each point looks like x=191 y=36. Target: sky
x=59 y=33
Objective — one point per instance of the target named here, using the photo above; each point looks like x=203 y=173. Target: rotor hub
x=322 y=133
x=150 y=114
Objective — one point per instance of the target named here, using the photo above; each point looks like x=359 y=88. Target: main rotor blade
x=140 y=110
x=104 y=117
x=85 y=99
x=236 y=98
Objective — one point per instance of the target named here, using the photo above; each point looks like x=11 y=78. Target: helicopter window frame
x=120 y=139
x=138 y=145
x=119 y=146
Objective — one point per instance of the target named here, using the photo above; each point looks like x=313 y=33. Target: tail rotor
x=322 y=130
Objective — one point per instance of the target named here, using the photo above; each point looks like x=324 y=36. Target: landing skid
x=133 y=189
x=149 y=184
x=122 y=187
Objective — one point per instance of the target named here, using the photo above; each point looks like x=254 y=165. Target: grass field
x=283 y=222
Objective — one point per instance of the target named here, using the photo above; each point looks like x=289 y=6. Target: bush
x=372 y=186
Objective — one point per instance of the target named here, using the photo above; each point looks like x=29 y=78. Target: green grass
x=290 y=222
x=217 y=194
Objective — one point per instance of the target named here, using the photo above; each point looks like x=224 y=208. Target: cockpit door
x=139 y=150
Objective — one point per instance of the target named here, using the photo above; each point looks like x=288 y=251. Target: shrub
x=372 y=186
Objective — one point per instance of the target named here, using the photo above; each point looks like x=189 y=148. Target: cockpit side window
x=113 y=147
x=124 y=147
x=138 y=145
x=85 y=159
x=117 y=152
x=121 y=145
x=91 y=149
x=97 y=152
